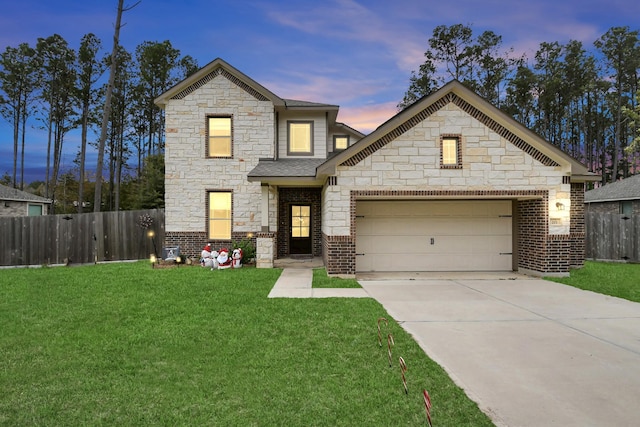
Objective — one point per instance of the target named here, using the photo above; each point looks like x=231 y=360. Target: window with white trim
x=340 y=142
x=300 y=137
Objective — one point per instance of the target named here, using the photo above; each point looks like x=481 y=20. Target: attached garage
x=434 y=235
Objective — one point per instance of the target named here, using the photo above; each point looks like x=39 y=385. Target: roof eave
x=164 y=98
x=287 y=180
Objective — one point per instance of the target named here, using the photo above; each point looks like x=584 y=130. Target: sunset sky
x=358 y=54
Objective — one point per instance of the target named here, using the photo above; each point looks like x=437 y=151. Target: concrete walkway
x=296 y=283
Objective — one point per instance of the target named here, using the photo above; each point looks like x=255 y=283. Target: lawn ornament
x=237 y=258
x=224 y=260
x=206 y=258
x=214 y=259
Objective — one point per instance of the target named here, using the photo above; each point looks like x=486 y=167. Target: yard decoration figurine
x=236 y=258
x=224 y=260
x=214 y=258
x=206 y=257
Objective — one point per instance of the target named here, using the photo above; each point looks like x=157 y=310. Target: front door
x=300 y=234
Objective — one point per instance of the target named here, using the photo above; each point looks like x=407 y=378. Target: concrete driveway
x=528 y=351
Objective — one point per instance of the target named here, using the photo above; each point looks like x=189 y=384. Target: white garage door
x=423 y=235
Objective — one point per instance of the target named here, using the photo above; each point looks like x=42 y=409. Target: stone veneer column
x=265 y=250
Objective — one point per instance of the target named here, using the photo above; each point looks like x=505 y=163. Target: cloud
x=367 y=118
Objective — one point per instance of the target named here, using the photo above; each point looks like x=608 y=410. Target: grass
x=614 y=279
x=322 y=280
x=124 y=344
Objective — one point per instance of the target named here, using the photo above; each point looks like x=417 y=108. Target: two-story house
x=450 y=183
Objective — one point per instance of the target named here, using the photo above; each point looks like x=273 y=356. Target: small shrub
x=248 y=250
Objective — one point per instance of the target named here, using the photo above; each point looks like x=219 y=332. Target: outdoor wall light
x=249 y=235
x=6 y=204
x=560 y=206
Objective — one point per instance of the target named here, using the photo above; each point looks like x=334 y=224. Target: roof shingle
x=626 y=189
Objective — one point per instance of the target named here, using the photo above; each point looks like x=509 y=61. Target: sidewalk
x=296 y=283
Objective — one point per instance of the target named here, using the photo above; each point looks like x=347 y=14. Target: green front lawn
x=322 y=280
x=615 y=279
x=124 y=344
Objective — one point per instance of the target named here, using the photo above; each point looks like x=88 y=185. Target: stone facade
x=190 y=174
x=409 y=166
x=498 y=159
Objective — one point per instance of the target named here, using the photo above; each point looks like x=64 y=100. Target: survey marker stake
x=380 y=333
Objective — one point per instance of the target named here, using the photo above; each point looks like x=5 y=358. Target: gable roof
x=476 y=106
x=207 y=73
x=625 y=189
x=219 y=67
x=13 y=194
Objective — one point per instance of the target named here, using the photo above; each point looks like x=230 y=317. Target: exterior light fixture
x=560 y=206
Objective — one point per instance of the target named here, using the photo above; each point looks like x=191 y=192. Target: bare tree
x=107 y=104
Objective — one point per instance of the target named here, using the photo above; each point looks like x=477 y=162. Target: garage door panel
x=467 y=235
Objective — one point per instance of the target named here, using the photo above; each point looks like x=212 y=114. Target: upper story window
x=450 y=152
x=340 y=142
x=219 y=136
x=300 y=138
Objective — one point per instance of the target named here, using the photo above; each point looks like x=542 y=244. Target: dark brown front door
x=300 y=233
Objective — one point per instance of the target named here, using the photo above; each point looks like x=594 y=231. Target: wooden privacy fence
x=612 y=237
x=80 y=238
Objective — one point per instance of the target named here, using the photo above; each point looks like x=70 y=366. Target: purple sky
x=357 y=54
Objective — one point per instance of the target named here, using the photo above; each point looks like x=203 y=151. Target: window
x=35 y=210
x=340 y=142
x=219 y=136
x=300 y=221
x=300 y=136
x=450 y=152
x=626 y=207
x=219 y=215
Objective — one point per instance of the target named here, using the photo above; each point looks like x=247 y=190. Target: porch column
x=264 y=208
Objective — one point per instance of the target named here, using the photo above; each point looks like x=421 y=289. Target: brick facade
x=290 y=196
x=578 y=229
x=192 y=242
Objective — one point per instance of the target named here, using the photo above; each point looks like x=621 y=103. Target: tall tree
x=621 y=48
x=90 y=68
x=520 y=100
x=550 y=87
x=58 y=84
x=18 y=76
x=158 y=63
x=451 y=46
x=422 y=83
x=107 y=105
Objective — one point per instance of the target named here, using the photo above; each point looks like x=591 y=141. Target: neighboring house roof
x=15 y=195
x=626 y=189
x=473 y=104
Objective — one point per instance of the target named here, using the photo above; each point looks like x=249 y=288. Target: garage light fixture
x=560 y=206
